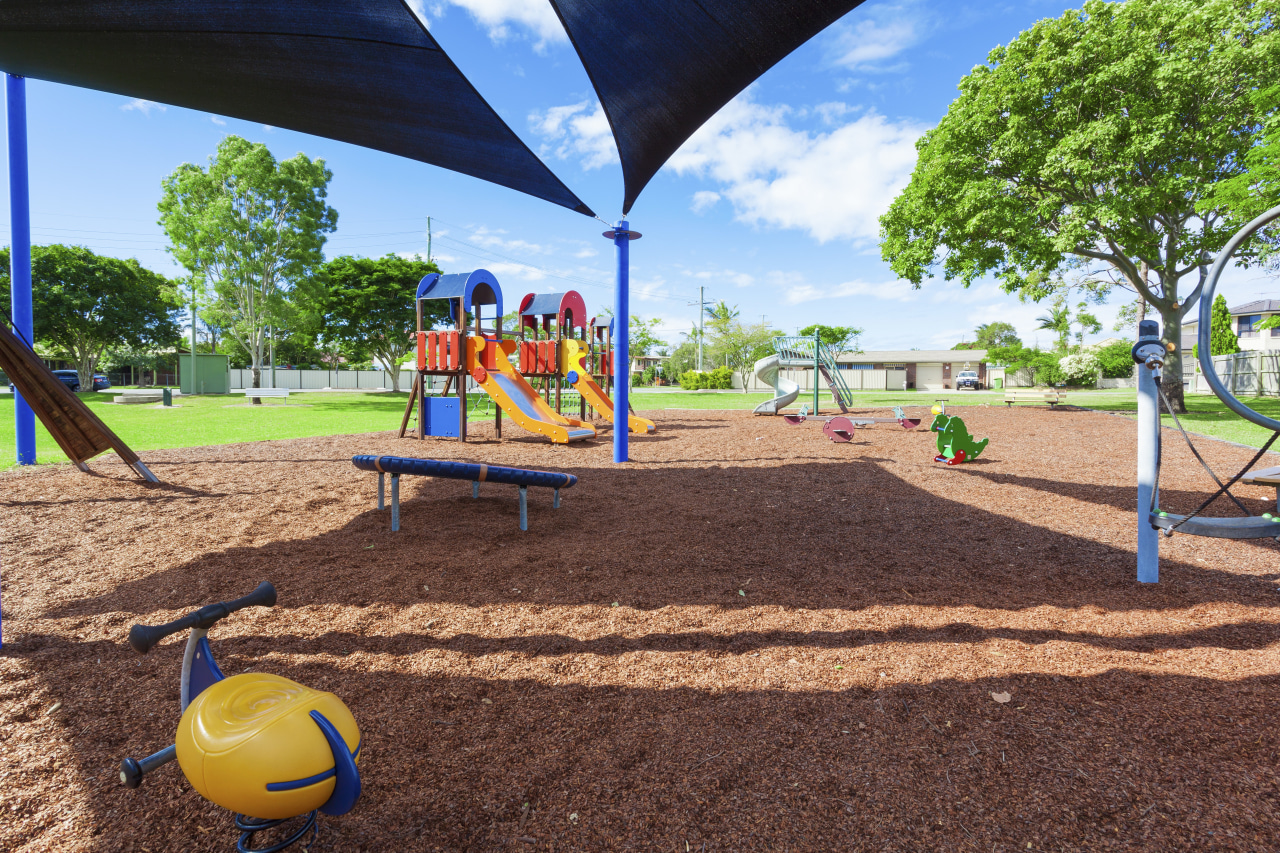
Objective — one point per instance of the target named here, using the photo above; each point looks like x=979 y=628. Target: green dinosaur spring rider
x=955 y=445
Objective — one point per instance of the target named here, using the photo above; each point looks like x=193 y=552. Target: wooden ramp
x=79 y=432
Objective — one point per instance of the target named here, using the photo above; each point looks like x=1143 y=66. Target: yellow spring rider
x=254 y=743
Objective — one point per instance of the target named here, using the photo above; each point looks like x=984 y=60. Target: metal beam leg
x=524 y=508
x=475 y=489
x=395 y=502
x=382 y=490
x=555 y=498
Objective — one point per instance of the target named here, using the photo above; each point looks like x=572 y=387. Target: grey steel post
x=395 y=502
x=524 y=508
x=475 y=489
x=382 y=501
x=555 y=498
x=1148 y=352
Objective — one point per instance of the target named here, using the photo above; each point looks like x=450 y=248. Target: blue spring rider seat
x=255 y=744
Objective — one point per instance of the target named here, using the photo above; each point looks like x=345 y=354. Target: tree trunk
x=393 y=367
x=257 y=382
x=1171 y=381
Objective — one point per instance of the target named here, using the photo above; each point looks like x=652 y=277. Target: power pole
x=428 y=239
x=702 y=322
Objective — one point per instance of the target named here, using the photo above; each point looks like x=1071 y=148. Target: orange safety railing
x=439 y=351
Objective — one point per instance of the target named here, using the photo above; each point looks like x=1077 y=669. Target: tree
x=367 y=303
x=1099 y=135
x=1222 y=338
x=1088 y=323
x=249 y=228
x=1058 y=321
x=85 y=304
x=741 y=346
x=836 y=338
x=641 y=339
x=1116 y=360
x=997 y=334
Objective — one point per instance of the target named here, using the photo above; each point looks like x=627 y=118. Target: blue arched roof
x=478 y=287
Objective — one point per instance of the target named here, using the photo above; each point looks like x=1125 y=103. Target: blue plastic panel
x=442 y=417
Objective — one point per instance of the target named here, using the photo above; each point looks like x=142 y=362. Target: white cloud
x=832 y=185
x=217 y=121
x=503 y=19
x=738 y=279
x=494 y=239
x=143 y=106
x=879 y=33
x=578 y=131
x=704 y=200
x=585 y=253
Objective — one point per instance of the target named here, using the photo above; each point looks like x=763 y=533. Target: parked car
x=968 y=379
x=70 y=378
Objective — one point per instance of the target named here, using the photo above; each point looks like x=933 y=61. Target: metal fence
x=854 y=380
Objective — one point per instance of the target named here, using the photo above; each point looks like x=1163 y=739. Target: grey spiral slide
x=784 y=390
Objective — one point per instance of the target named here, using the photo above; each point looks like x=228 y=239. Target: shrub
x=692 y=380
x=720 y=379
x=1116 y=360
x=1079 y=368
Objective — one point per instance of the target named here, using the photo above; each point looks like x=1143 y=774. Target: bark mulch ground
x=748 y=638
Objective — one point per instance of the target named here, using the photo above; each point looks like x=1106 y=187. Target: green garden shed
x=213 y=373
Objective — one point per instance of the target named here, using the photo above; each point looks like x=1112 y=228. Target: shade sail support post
x=622 y=235
x=20 y=252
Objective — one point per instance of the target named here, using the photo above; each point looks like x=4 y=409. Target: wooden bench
x=1031 y=395
x=1265 y=477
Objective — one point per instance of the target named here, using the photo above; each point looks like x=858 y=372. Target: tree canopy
x=250 y=228
x=838 y=339
x=85 y=304
x=367 y=303
x=1101 y=135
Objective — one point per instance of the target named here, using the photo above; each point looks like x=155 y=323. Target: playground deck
x=748 y=638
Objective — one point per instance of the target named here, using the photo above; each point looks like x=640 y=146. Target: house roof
x=1258 y=306
x=915 y=356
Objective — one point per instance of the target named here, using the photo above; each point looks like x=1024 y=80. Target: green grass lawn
x=212 y=420
x=208 y=420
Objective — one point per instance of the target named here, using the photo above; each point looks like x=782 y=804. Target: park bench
x=1033 y=395
x=263 y=392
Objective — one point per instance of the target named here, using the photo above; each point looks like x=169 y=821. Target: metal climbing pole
x=1148 y=352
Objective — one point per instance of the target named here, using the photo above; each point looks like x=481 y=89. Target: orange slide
x=575 y=370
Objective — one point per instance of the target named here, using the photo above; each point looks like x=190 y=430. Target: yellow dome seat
x=269 y=747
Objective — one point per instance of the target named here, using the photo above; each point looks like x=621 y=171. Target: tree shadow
x=574 y=760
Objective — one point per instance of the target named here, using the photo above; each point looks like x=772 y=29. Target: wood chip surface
x=747 y=638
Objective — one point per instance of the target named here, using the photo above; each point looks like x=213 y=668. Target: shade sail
x=360 y=71
x=663 y=67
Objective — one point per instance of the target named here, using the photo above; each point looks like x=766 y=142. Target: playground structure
x=558 y=315
x=899 y=417
x=1149 y=353
x=476 y=473
x=254 y=744
x=470 y=352
x=800 y=352
x=955 y=445
x=559 y=357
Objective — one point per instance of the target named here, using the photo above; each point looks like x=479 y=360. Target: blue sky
x=772 y=206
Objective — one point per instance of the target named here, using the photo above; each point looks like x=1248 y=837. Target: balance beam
x=477 y=473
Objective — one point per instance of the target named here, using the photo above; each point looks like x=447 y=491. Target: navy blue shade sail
x=360 y=71
x=663 y=67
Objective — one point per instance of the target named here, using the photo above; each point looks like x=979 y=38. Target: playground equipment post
x=1148 y=450
x=817 y=355
x=20 y=253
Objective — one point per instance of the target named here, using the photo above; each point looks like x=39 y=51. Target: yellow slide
x=575 y=370
x=516 y=397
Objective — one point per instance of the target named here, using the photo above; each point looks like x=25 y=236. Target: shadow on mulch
x=1116 y=759
x=844 y=535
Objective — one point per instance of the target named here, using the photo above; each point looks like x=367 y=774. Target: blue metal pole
x=20 y=252
x=621 y=353
x=1148 y=459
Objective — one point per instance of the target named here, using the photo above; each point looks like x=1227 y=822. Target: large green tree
x=838 y=339
x=1099 y=135
x=367 y=303
x=248 y=228
x=85 y=304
